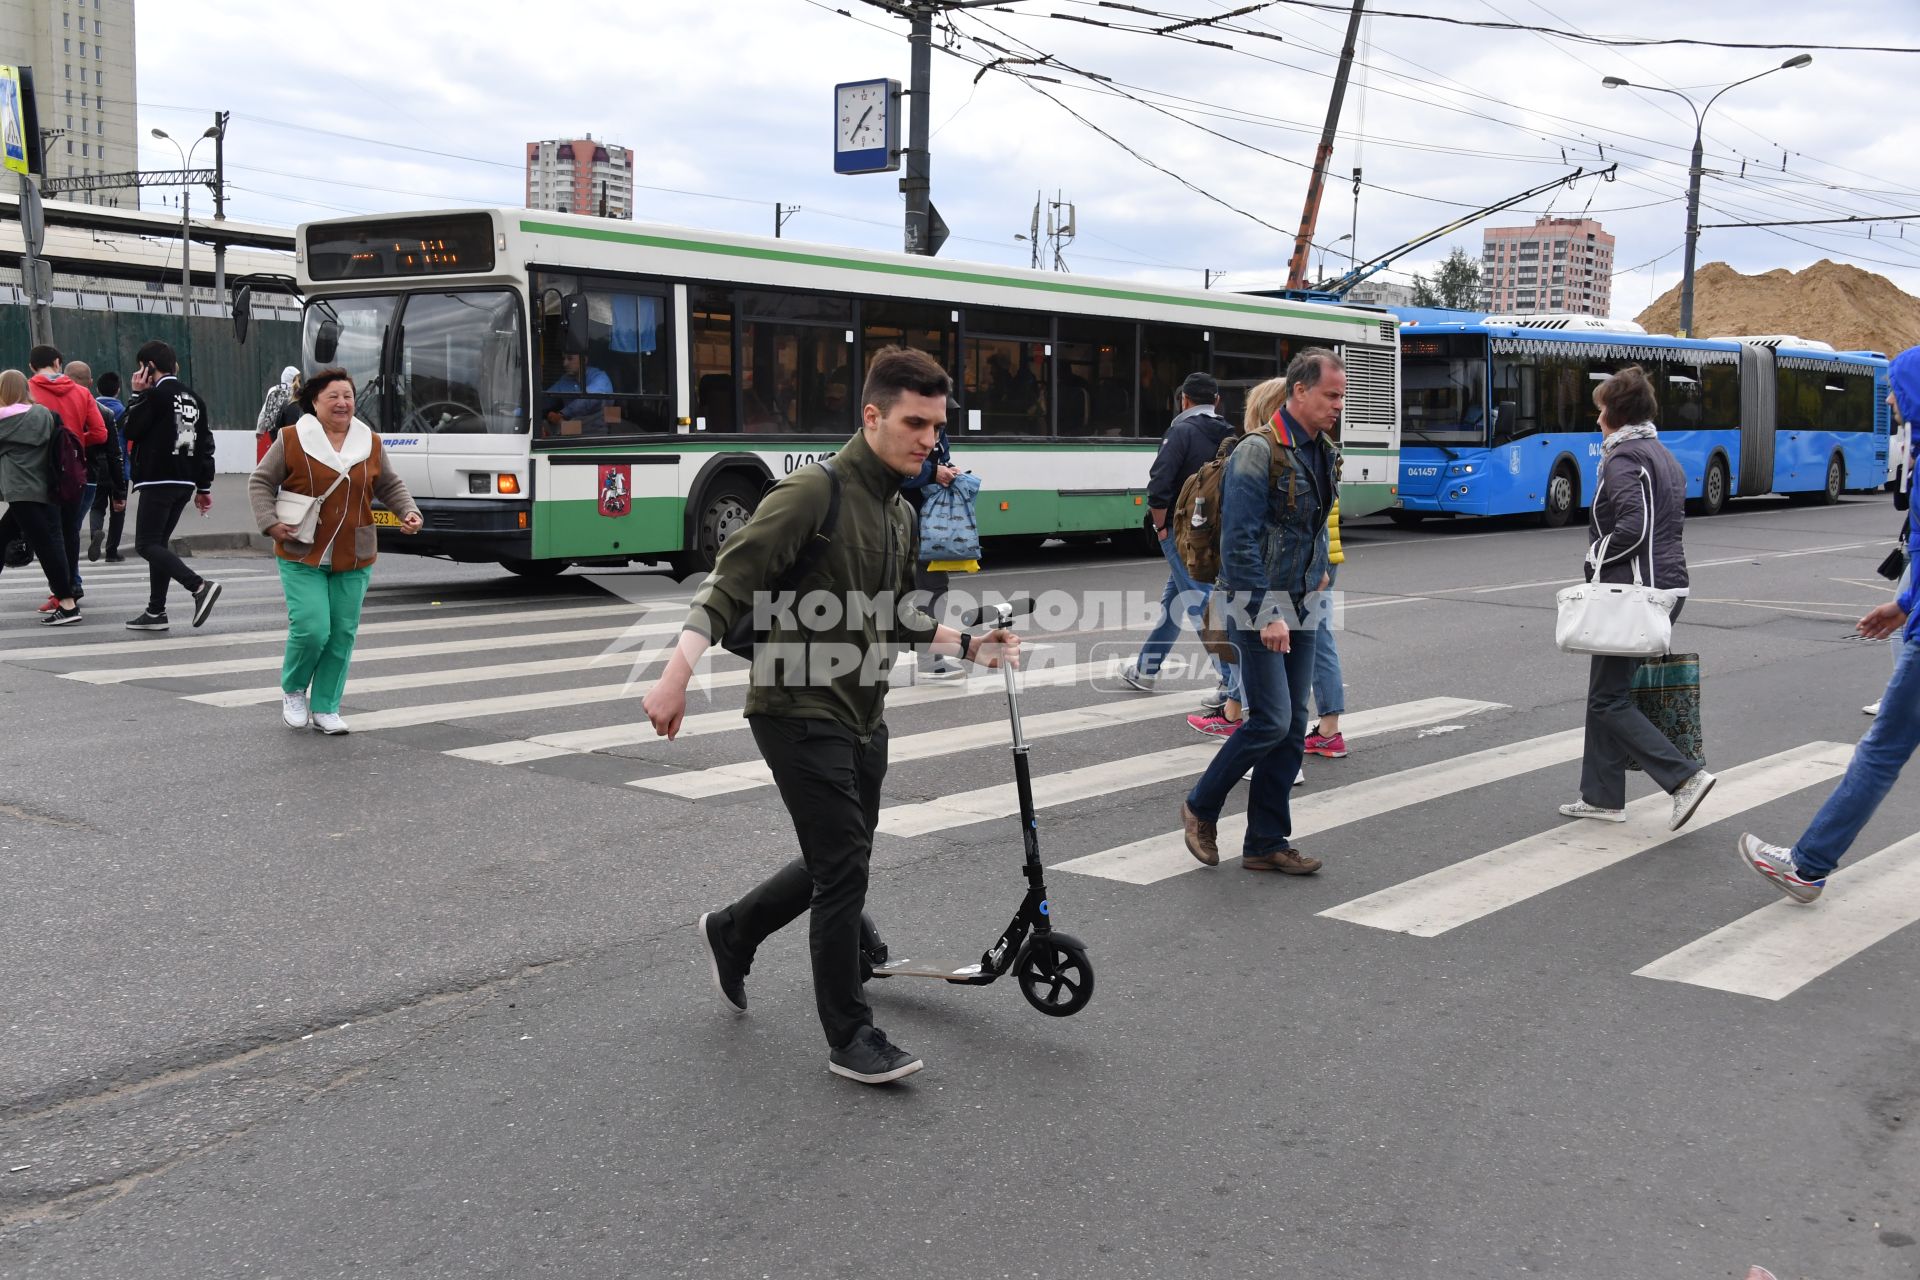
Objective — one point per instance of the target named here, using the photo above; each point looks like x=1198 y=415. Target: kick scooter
x=1051 y=967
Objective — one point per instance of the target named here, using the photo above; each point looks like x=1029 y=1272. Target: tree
x=1456 y=284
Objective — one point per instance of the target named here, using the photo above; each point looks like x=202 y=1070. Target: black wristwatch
x=968 y=643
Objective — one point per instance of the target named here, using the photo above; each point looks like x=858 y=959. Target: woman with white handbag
x=313 y=495
x=1637 y=574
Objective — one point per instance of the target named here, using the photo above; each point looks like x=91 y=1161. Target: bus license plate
x=387 y=518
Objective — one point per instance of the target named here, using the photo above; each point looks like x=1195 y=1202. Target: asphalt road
x=424 y=1001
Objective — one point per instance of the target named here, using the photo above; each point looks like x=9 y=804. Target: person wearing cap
x=1192 y=439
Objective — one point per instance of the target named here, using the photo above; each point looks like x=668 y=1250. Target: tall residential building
x=81 y=52
x=1555 y=265
x=579 y=175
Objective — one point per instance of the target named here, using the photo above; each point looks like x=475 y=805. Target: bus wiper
x=1424 y=438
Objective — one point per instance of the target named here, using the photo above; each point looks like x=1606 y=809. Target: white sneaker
x=1301 y=776
x=329 y=723
x=293 y=709
x=1581 y=809
x=1872 y=708
x=1688 y=798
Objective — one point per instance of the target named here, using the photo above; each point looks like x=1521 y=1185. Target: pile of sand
x=1854 y=310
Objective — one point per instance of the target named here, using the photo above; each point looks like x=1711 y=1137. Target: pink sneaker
x=1334 y=748
x=1214 y=726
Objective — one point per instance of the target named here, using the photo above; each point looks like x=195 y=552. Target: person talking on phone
x=171 y=436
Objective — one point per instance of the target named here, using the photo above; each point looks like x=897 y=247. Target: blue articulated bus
x=1497 y=418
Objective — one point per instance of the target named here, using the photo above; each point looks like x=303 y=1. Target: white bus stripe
x=1049 y=790
x=1783 y=946
x=1466 y=891
x=1160 y=857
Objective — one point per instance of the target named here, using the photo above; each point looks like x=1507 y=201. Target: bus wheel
x=1836 y=481
x=1713 y=491
x=535 y=570
x=1561 y=489
x=1406 y=519
x=724 y=511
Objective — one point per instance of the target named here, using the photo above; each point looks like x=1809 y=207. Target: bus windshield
x=449 y=363
x=1443 y=390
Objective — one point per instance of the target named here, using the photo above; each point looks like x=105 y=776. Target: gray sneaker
x=1777 y=866
x=1214 y=703
x=1688 y=798
x=1131 y=677
x=1581 y=809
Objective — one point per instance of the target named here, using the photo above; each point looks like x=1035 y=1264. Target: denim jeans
x=1876 y=766
x=1329 y=691
x=1180 y=603
x=72 y=516
x=1270 y=743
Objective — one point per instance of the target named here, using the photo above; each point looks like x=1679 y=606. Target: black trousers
x=1617 y=730
x=153 y=525
x=39 y=524
x=830 y=782
x=103 y=512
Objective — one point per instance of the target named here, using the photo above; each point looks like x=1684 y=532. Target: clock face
x=860 y=117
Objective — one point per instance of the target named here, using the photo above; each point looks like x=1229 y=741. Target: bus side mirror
x=242 y=312
x=326 y=341
x=1503 y=418
x=576 y=324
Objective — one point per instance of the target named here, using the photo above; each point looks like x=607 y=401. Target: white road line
x=1152 y=860
x=207 y=640
x=749 y=774
x=1466 y=891
x=547 y=745
x=1092 y=781
x=1783 y=946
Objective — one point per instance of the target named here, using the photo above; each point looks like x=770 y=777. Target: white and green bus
x=564 y=390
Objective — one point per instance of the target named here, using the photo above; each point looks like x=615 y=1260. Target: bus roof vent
x=1578 y=322
x=1778 y=340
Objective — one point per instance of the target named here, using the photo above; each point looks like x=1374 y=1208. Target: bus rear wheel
x=1713 y=491
x=724 y=510
x=534 y=570
x=1836 y=482
x=1406 y=519
x=1562 y=491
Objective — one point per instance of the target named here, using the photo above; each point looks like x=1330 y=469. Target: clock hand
x=862 y=120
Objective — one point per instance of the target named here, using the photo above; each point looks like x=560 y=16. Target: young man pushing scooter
x=817 y=700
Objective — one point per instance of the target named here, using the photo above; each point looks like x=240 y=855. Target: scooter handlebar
x=997 y=615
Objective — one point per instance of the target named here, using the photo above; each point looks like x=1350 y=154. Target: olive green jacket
x=827 y=654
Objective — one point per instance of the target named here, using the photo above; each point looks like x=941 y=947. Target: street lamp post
x=1326 y=248
x=186 y=227
x=1694 y=169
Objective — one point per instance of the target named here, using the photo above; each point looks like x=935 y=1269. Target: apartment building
x=580 y=175
x=1555 y=265
x=82 y=55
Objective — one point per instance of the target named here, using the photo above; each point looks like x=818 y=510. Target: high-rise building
x=1555 y=265
x=81 y=52
x=580 y=175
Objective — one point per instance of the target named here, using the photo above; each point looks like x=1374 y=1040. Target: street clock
x=866 y=126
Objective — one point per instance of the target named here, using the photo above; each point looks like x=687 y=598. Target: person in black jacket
x=1639 y=510
x=106 y=463
x=1192 y=438
x=172 y=440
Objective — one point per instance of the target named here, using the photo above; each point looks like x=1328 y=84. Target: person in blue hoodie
x=1801 y=871
x=108 y=466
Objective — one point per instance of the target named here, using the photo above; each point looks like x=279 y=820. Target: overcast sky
x=727 y=103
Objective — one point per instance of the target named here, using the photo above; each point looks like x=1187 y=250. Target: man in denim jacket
x=1273 y=555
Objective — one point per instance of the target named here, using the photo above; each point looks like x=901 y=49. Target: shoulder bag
x=1612 y=619
x=302 y=511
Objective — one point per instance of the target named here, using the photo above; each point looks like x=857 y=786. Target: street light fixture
x=1327 y=248
x=1794 y=63
x=186 y=163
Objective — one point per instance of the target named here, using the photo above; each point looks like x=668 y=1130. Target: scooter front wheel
x=1055 y=975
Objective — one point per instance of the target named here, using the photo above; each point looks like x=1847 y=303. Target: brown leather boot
x=1286 y=861
x=1202 y=837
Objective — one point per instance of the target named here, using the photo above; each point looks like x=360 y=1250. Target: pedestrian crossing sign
x=13 y=120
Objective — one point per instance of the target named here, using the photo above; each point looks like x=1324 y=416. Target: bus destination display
x=460 y=245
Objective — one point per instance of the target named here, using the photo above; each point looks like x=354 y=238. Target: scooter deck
x=917 y=969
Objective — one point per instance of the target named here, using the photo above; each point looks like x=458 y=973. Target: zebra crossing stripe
x=274 y=635
x=1162 y=857
x=546 y=746
x=1467 y=891
x=1093 y=781
x=1783 y=946
x=749 y=774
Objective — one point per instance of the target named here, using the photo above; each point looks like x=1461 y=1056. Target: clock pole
x=917 y=185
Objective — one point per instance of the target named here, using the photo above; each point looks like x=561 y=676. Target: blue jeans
x=1329 y=696
x=72 y=516
x=1876 y=766
x=1181 y=602
x=1270 y=743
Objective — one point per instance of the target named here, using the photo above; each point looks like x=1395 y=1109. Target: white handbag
x=1612 y=619
x=302 y=511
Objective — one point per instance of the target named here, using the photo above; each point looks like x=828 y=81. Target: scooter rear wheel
x=1055 y=975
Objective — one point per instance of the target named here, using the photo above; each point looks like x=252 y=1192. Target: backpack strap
x=822 y=538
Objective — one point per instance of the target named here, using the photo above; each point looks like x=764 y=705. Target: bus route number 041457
x=794 y=461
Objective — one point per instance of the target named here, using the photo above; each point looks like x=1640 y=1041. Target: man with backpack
x=1192 y=439
x=109 y=470
x=172 y=441
x=1274 y=493
x=73 y=405
x=818 y=699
